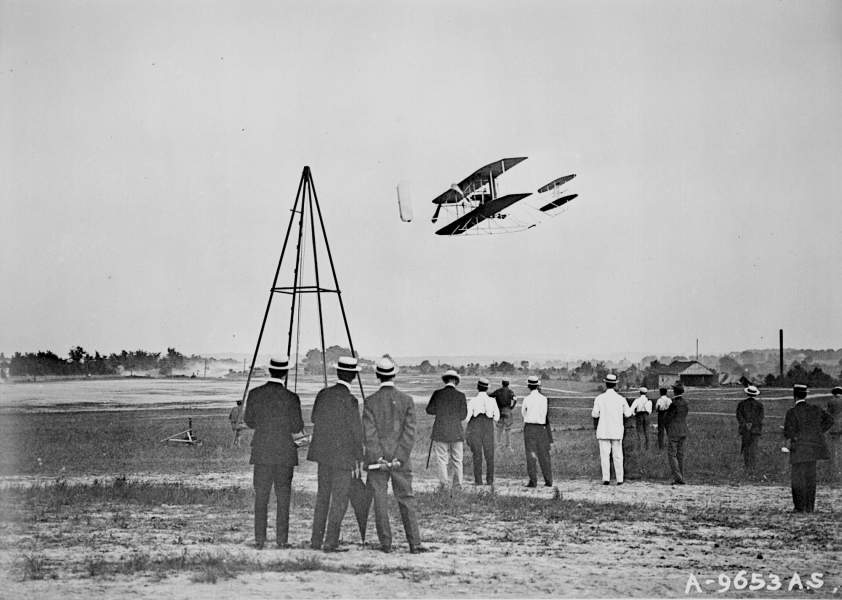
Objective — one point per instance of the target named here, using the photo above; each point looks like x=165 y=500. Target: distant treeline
x=80 y=363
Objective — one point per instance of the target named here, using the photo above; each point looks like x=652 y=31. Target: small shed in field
x=688 y=372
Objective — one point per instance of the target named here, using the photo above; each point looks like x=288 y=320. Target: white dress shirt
x=534 y=408
x=483 y=404
x=610 y=408
x=642 y=404
x=663 y=403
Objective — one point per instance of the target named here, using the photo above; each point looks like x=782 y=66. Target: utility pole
x=781 y=351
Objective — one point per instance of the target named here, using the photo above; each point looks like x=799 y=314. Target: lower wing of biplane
x=490 y=210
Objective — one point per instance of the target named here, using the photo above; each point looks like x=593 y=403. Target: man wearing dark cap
x=337 y=445
x=234 y=418
x=389 y=426
x=675 y=420
x=275 y=415
x=482 y=414
x=537 y=435
x=804 y=427
x=450 y=408
x=750 y=426
x=834 y=409
x=506 y=402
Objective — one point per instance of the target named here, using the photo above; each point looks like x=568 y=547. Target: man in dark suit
x=750 y=426
x=804 y=426
x=834 y=409
x=506 y=402
x=337 y=445
x=675 y=420
x=389 y=428
x=450 y=407
x=275 y=414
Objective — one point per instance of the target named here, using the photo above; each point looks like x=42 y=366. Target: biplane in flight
x=476 y=207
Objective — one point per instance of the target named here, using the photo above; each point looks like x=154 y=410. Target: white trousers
x=448 y=462
x=607 y=449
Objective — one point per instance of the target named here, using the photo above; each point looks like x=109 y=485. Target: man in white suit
x=609 y=409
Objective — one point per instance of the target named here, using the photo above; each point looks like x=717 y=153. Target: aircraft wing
x=556 y=183
x=558 y=202
x=478 y=178
x=480 y=214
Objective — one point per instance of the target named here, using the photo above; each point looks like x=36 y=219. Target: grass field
x=94 y=505
x=90 y=442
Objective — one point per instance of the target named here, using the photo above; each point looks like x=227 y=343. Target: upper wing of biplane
x=556 y=183
x=477 y=179
x=480 y=214
x=558 y=202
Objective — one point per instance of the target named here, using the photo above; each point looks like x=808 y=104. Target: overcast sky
x=150 y=153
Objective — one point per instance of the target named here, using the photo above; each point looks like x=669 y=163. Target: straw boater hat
x=451 y=373
x=347 y=363
x=643 y=390
x=800 y=390
x=279 y=363
x=482 y=383
x=837 y=390
x=533 y=380
x=610 y=378
x=385 y=367
x=752 y=391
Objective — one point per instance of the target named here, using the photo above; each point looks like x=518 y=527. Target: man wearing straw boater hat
x=661 y=406
x=389 y=427
x=609 y=409
x=641 y=408
x=537 y=436
x=804 y=426
x=337 y=445
x=450 y=408
x=750 y=426
x=275 y=415
x=482 y=414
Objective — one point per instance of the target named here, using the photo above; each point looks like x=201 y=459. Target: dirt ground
x=712 y=537
x=661 y=536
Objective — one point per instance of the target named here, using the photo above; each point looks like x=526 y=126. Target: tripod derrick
x=307 y=221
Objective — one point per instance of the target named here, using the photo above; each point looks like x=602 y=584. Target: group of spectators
x=380 y=443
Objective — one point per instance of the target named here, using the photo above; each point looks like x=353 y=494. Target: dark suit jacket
x=389 y=426
x=804 y=426
x=505 y=398
x=451 y=408
x=751 y=411
x=675 y=418
x=275 y=414
x=337 y=429
x=834 y=409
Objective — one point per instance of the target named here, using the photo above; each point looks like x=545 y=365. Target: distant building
x=688 y=372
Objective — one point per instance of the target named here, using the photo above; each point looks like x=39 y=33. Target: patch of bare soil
x=639 y=539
